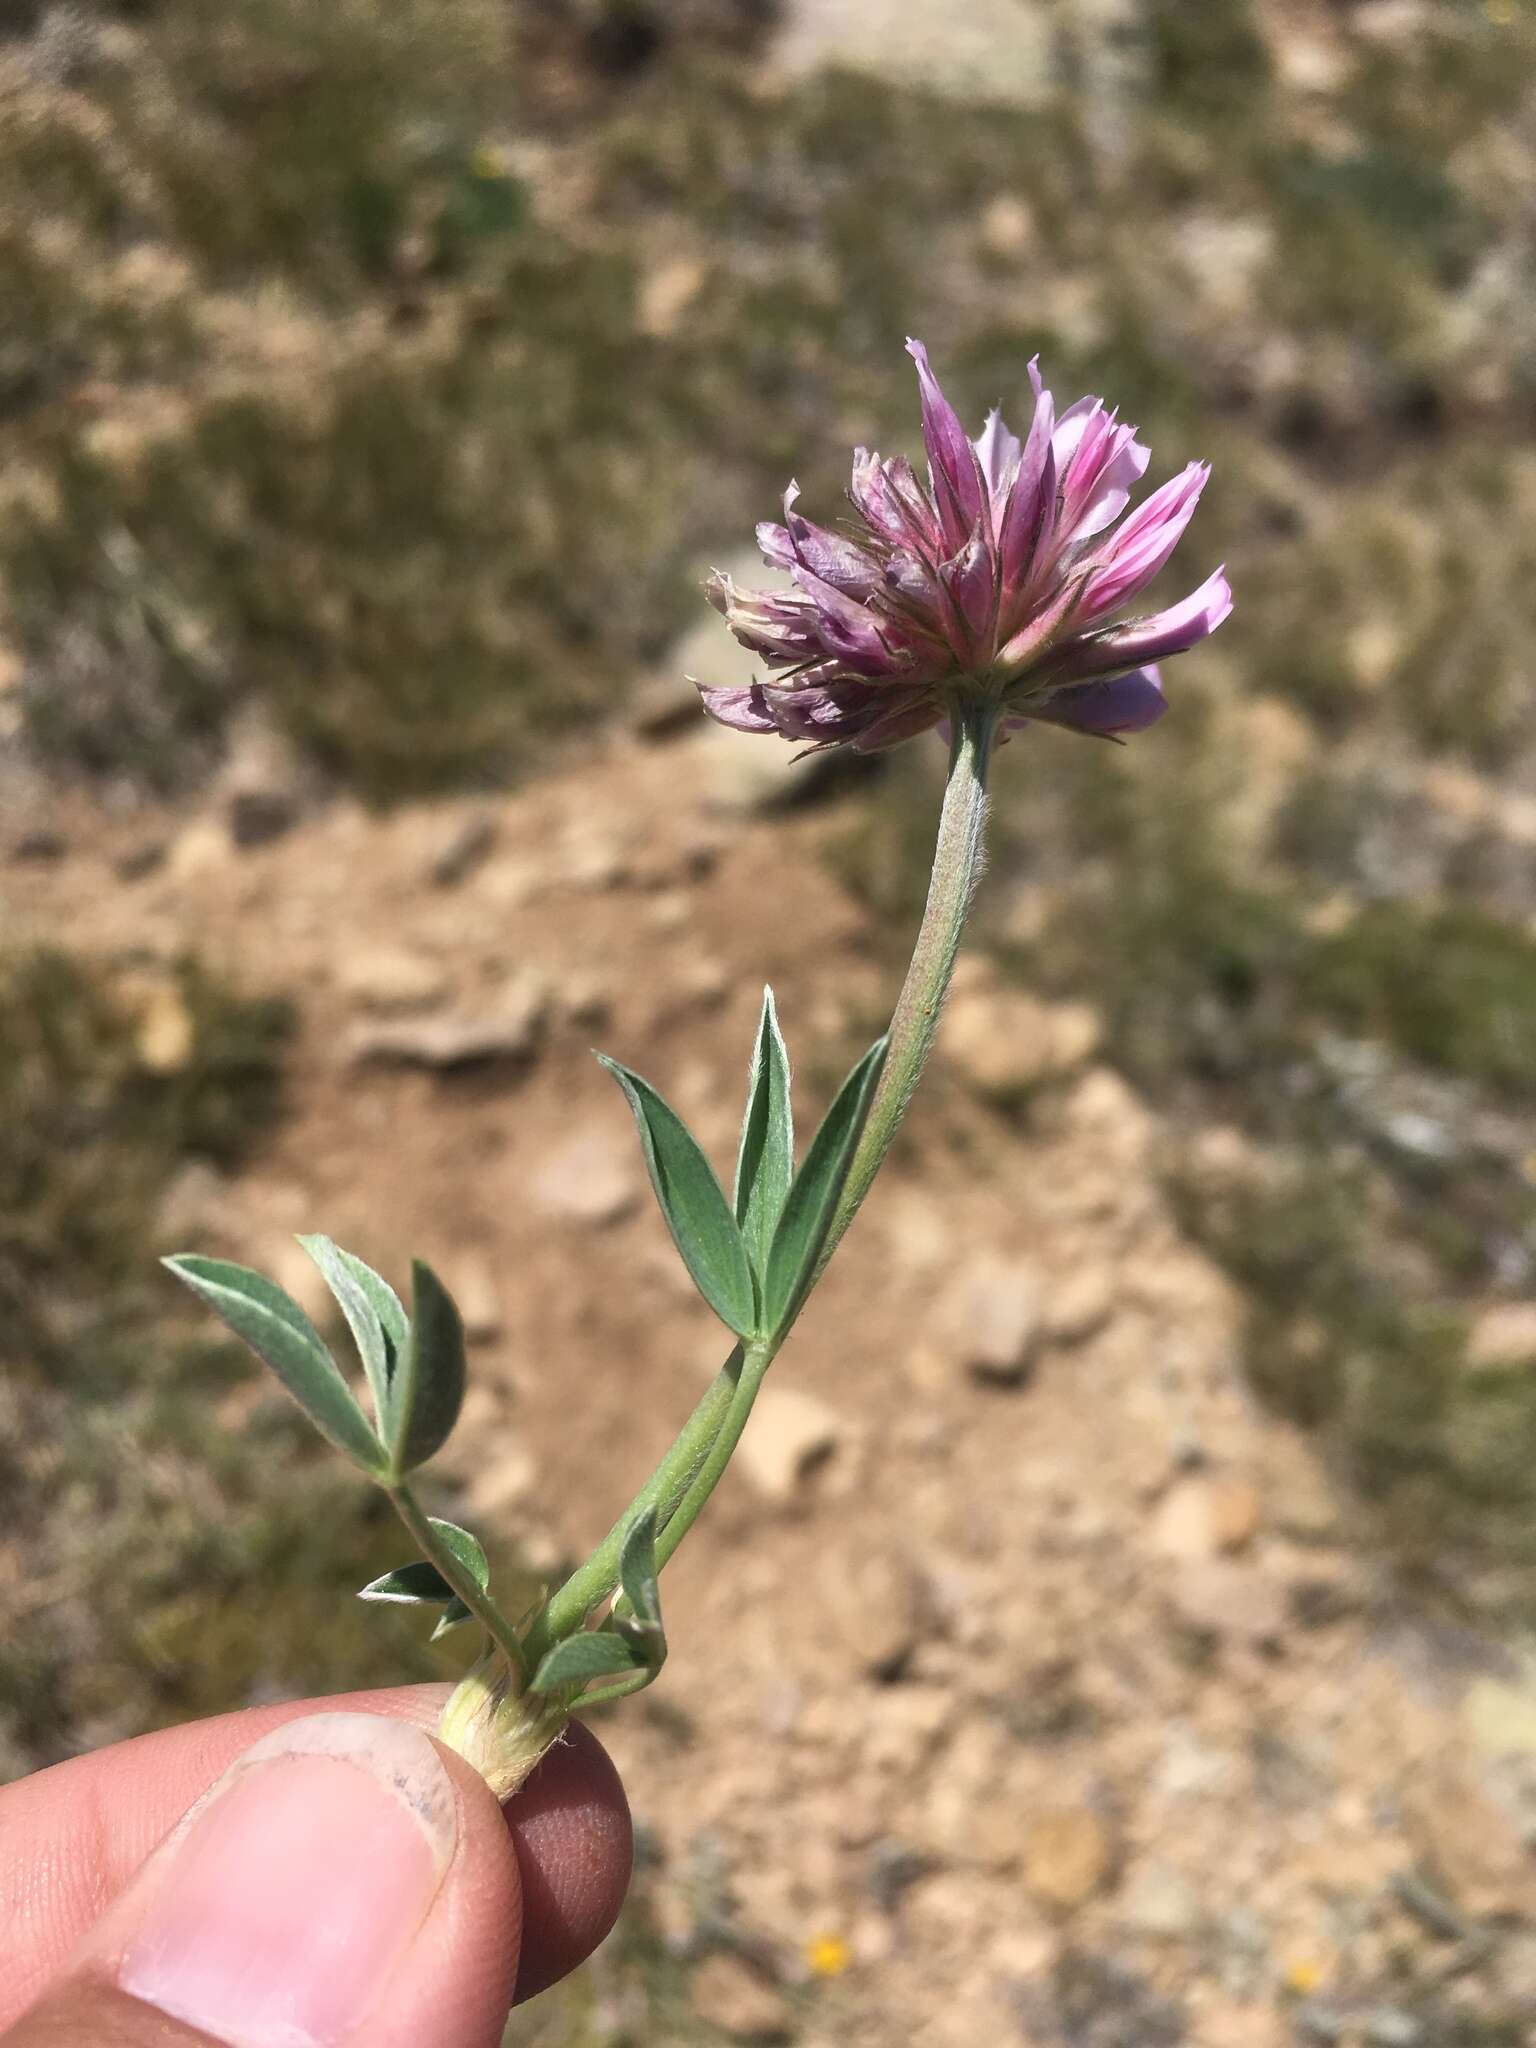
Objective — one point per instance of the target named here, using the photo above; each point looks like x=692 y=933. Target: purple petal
x=842 y=563
x=744 y=710
x=848 y=630
x=1113 y=705
x=1032 y=496
x=903 y=722
x=957 y=482
x=1166 y=633
x=1099 y=463
x=1033 y=639
x=970 y=582
x=1133 y=555
x=775 y=545
x=998 y=451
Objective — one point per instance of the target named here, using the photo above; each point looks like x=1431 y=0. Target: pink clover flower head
x=1000 y=574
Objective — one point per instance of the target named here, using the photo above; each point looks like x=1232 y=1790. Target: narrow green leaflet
x=454 y=1615
x=765 y=1165
x=642 y=1628
x=414 y=1585
x=595 y=1655
x=280 y=1333
x=427 y=1388
x=378 y=1345
x=697 y=1213
x=464 y=1549
x=813 y=1198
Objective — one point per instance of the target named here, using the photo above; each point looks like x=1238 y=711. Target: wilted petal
x=970 y=582
x=1133 y=555
x=775 y=545
x=848 y=630
x=827 y=555
x=957 y=483
x=1155 y=638
x=903 y=722
x=744 y=710
x=1112 y=705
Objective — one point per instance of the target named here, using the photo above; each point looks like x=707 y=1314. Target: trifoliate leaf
x=373 y=1312
x=697 y=1213
x=765 y=1164
x=594 y=1655
x=414 y=1585
x=280 y=1334
x=427 y=1388
x=813 y=1198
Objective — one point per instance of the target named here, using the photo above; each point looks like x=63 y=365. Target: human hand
x=345 y=1883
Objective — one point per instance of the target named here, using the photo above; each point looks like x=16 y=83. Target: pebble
x=593 y=1177
x=456 y=846
x=993 y=1314
x=392 y=980
x=1160 y=1903
x=1503 y=1336
x=1069 y=1856
x=790 y=1435
x=1005 y=1042
x=1227 y=1600
x=1206 y=1516
x=509 y=1031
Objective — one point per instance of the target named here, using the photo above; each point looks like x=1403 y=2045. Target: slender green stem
x=667 y=1486
x=691 y=1469
x=755 y=1362
x=958 y=859
x=479 y=1602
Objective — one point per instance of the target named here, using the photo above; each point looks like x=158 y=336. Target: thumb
x=345 y=1884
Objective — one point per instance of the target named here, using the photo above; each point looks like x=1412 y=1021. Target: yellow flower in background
x=828 y=1955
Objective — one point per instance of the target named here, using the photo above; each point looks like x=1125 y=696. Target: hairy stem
x=667 y=1486
x=958 y=859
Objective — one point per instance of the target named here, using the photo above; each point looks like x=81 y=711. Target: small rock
x=508 y=1031
x=1220 y=1598
x=1069 y=1856
x=1160 y=1904
x=260 y=789
x=165 y=1035
x=392 y=981
x=993 y=1312
x=1500 y=1719
x=789 y=1436
x=477 y=1293
x=1079 y=1305
x=1504 y=1336
x=40 y=845
x=591 y=1178
x=459 y=845
x=873 y=1613
x=729 y=1994
x=1207 y=1516
x=1005 y=1042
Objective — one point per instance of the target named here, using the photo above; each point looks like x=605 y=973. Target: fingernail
x=277 y=1910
